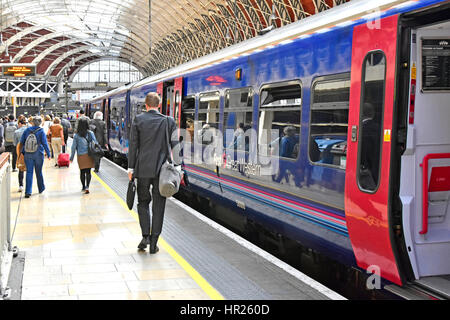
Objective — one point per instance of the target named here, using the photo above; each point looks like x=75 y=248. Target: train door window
x=188 y=115
x=279 y=120
x=371 y=120
x=329 y=122
x=208 y=117
x=237 y=117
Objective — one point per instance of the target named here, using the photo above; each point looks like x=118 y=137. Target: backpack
x=31 y=143
x=9 y=132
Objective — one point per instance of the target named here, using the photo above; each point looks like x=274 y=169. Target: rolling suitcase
x=63 y=160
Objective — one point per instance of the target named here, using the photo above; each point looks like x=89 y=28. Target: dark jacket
x=100 y=131
x=148 y=145
x=66 y=126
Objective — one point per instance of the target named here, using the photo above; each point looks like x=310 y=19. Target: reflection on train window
x=371 y=120
x=237 y=117
x=279 y=120
x=329 y=122
x=208 y=117
x=188 y=115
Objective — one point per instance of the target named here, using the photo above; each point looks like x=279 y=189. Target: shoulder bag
x=94 y=148
x=170 y=175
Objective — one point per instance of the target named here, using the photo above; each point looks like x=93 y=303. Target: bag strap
x=169 y=147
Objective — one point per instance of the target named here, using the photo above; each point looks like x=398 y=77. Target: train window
x=329 y=122
x=188 y=115
x=208 y=117
x=279 y=120
x=237 y=117
x=371 y=120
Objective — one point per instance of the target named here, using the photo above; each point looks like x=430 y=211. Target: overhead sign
x=18 y=70
x=101 y=84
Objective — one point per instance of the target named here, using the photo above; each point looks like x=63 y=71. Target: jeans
x=158 y=206
x=34 y=162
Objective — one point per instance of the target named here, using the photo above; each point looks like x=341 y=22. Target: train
x=359 y=97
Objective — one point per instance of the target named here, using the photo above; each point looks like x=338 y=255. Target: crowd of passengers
x=30 y=139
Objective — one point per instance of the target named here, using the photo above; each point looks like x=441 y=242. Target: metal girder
x=54 y=47
x=72 y=52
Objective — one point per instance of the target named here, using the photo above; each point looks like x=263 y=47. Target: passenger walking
x=80 y=145
x=56 y=133
x=9 y=128
x=99 y=128
x=66 y=127
x=22 y=124
x=34 y=142
x=148 y=151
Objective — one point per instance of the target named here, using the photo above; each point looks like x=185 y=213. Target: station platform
x=84 y=247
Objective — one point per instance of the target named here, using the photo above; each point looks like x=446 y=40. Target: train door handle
x=354 y=133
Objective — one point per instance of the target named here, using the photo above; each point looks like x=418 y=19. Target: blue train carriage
x=339 y=186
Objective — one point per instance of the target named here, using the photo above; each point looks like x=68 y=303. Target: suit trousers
x=158 y=206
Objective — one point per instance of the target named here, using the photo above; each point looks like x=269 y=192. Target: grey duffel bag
x=170 y=175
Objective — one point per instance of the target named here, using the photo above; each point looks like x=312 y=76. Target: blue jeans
x=34 y=162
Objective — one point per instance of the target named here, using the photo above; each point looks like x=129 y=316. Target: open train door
x=160 y=91
x=425 y=166
x=177 y=98
x=367 y=197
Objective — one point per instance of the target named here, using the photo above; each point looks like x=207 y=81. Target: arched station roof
x=61 y=36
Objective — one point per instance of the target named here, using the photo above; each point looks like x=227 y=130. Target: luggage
x=170 y=175
x=64 y=160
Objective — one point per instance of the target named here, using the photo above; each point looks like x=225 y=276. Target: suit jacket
x=148 y=148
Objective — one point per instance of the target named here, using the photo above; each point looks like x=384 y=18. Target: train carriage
x=359 y=98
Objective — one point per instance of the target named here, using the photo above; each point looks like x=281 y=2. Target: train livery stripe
x=318 y=217
x=206 y=287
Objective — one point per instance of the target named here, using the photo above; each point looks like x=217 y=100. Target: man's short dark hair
x=11 y=117
x=81 y=111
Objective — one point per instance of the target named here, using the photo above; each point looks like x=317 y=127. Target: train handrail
x=424 y=165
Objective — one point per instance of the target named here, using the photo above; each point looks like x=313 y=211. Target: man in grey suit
x=148 y=151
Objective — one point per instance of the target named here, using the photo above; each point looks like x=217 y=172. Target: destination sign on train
x=18 y=70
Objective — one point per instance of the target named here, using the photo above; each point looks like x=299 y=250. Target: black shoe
x=153 y=247
x=144 y=243
x=154 y=250
x=27 y=196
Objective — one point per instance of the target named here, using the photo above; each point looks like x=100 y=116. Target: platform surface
x=81 y=246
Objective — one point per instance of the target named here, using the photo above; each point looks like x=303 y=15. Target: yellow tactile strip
x=85 y=247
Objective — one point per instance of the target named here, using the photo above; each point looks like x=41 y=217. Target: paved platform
x=81 y=246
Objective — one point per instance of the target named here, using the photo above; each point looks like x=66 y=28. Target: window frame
x=277 y=84
x=362 y=96
x=206 y=111
x=245 y=110
x=328 y=78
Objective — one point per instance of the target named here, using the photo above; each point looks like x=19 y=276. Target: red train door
x=369 y=147
x=177 y=97
x=159 y=90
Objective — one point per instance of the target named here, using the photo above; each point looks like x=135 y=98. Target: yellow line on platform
x=206 y=287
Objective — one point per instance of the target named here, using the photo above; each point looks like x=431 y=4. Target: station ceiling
x=60 y=37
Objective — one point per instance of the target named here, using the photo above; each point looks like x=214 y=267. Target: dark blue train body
x=307 y=79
